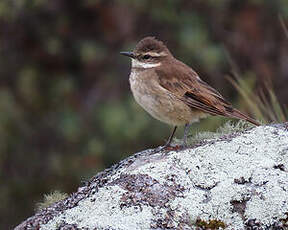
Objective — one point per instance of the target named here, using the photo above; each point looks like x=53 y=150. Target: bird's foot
x=167 y=148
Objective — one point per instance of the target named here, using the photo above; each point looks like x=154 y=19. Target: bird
x=171 y=91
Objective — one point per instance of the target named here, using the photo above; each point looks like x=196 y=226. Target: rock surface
x=237 y=182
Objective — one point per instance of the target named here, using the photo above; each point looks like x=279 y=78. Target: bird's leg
x=170 y=137
x=160 y=148
x=186 y=130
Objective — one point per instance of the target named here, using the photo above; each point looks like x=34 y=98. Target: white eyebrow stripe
x=154 y=54
x=138 y=64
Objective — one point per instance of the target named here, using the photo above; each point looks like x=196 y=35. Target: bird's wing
x=185 y=84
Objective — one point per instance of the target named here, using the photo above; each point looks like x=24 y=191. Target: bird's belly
x=162 y=105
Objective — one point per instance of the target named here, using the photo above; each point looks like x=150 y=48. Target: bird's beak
x=128 y=54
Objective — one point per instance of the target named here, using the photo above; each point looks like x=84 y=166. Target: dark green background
x=66 y=111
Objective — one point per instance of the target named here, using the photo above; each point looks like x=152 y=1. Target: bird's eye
x=146 y=56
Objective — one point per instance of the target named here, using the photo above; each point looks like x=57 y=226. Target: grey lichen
x=235 y=182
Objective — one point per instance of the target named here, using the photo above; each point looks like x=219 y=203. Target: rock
x=239 y=181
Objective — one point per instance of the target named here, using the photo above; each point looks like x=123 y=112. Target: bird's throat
x=143 y=65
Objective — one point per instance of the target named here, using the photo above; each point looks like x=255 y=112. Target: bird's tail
x=237 y=114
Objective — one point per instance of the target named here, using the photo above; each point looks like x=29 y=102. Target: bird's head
x=148 y=53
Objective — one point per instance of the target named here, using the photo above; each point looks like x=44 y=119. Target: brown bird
x=171 y=91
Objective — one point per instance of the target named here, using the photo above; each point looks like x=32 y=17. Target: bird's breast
x=144 y=91
x=159 y=102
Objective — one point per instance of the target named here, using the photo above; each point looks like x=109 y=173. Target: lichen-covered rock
x=237 y=182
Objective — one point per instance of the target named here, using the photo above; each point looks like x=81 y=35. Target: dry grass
x=264 y=105
x=50 y=199
x=227 y=128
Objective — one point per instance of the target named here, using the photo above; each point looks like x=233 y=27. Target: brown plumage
x=194 y=92
x=171 y=91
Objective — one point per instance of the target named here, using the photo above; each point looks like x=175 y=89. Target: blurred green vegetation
x=66 y=111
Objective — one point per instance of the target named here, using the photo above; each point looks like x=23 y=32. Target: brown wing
x=183 y=82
